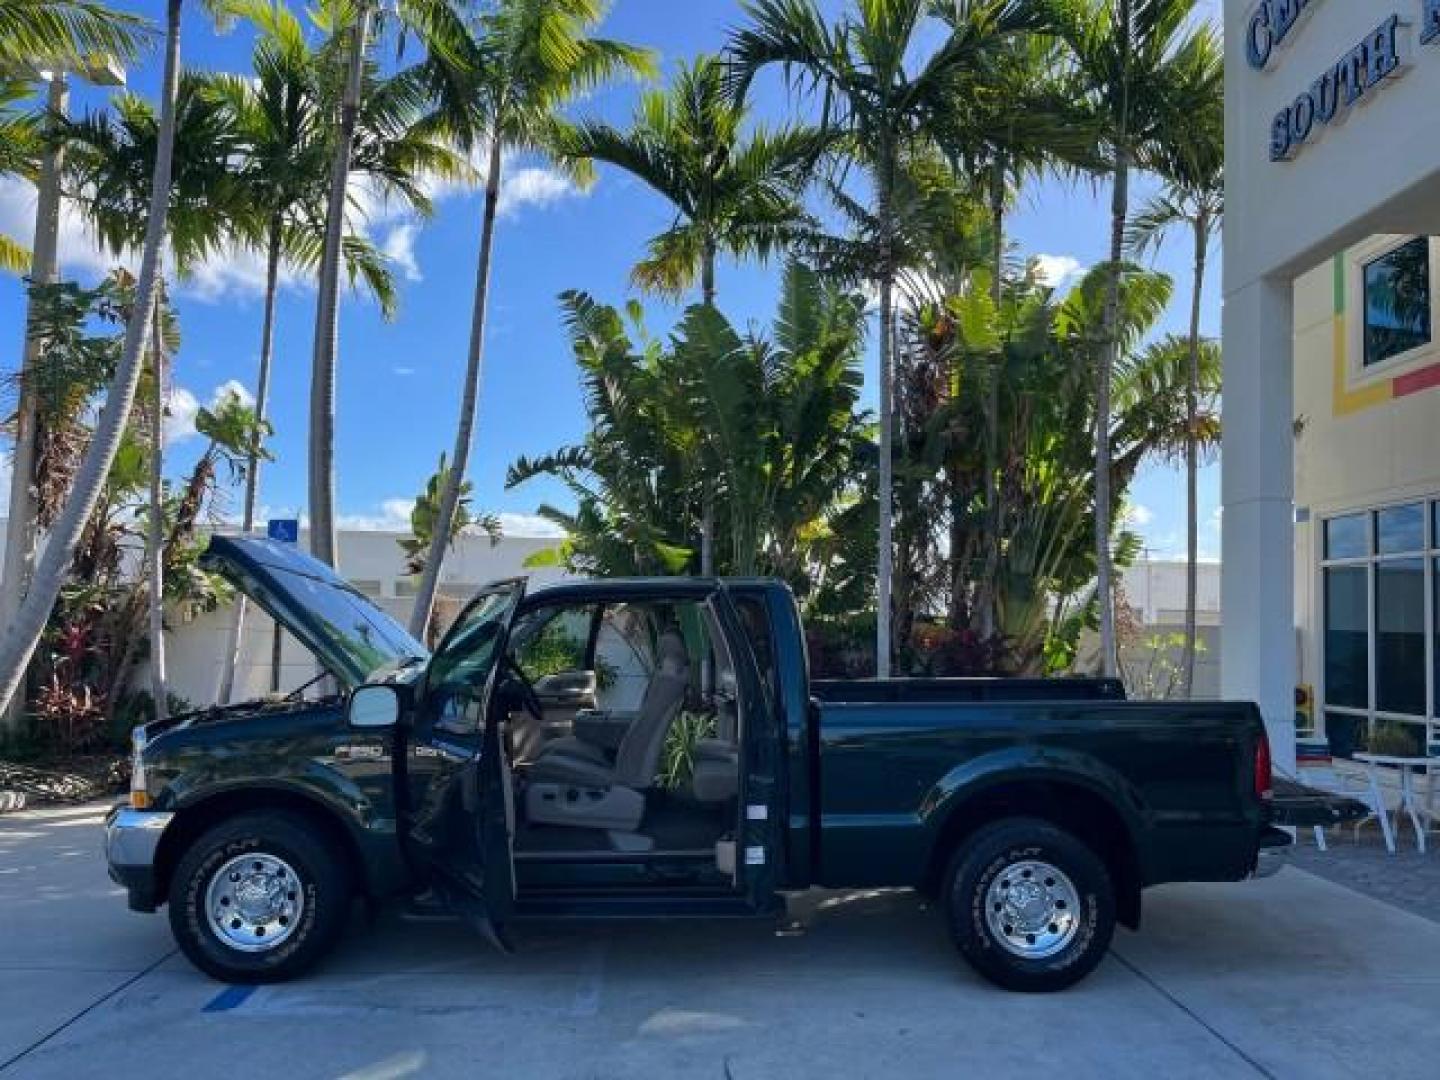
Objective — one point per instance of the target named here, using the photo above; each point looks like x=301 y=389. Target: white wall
x=1375 y=170
x=371 y=560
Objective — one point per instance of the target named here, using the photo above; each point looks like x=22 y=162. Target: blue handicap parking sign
x=284 y=530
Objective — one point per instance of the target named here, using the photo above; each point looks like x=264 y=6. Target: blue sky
x=399 y=381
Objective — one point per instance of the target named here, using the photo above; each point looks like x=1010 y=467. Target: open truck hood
x=352 y=637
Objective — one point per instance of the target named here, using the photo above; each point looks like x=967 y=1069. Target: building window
x=1380 y=582
x=1397 y=301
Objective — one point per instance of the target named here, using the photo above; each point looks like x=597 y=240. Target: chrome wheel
x=1032 y=909
x=254 y=902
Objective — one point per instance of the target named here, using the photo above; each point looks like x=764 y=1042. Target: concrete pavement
x=1291 y=977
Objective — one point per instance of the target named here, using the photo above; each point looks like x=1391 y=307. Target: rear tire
x=1030 y=907
x=258 y=898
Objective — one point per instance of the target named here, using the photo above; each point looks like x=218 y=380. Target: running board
x=636 y=907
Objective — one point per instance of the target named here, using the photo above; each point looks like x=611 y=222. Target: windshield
x=353 y=624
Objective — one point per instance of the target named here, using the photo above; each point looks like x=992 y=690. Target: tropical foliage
x=772 y=422
x=96 y=635
x=975 y=527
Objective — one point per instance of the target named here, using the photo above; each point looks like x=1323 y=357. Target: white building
x=1332 y=429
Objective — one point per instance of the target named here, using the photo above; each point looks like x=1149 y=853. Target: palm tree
x=730 y=194
x=70 y=32
x=20 y=150
x=1011 y=121
x=282 y=116
x=23 y=634
x=1127 y=55
x=108 y=174
x=882 y=90
x=1193 y=167
x=526 y=61
x=439 y=26
x=60 y=36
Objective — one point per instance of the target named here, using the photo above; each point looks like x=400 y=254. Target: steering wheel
x=528 y=697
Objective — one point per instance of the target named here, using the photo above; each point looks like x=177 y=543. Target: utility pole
x=20 y=524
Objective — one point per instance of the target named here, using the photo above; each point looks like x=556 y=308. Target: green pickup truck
x=655 y=747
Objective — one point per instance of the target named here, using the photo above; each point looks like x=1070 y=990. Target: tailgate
x=1298 y=806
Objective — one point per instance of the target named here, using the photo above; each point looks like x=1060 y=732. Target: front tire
x=258 y=898
x=1030 y=907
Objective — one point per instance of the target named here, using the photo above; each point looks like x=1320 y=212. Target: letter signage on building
x=1269 y=26
x=1366 y=68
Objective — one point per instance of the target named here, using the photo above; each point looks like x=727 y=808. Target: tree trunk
x=21 y=525
x=327 y=307
x=469 y=398
x=23 y=633
x=885 y=554
x=1110 y=347
x=885 y=561
x=252 y=464
x=707 y=496
x=155 y=531
x=985 y=601
x=1192 y=460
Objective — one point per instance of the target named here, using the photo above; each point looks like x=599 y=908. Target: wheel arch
x=1065 y=802
x=196 y=818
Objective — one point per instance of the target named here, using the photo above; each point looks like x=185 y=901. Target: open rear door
x=461 y=810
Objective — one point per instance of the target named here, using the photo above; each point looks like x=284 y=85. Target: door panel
x=458 y=781
x=762 y=803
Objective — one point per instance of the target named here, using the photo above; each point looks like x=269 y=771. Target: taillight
x=1264 y=773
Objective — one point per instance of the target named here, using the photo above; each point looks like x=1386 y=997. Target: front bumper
x=1273 y=853
x=131 y=839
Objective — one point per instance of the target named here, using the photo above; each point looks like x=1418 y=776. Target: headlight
x=139 y=790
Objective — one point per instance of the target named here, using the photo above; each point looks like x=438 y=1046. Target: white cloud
x=401 y=370
x=236 y=271
x=79 y=251
x=391 y=515
x=184 y=406
x=1138 y=515
x=180 y=413
x=1057 y=270
x=528 y=525
x=532 y=186
x=399 y=247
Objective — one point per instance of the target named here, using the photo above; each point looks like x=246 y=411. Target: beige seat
x=574 y=782
x=715 y=773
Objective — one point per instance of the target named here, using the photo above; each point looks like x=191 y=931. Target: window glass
x=1347 y=662
x=1400 y=529
x=625 y=648
x=1346 y=733
x=455 y=684
x=1400 y=636
x=1435 y=607
x=1346 y=537
x=552 y=640
x=1397 y=301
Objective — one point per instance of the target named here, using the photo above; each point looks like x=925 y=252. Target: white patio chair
x=1327 y=776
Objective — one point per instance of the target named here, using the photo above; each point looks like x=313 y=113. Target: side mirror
x=375 y=706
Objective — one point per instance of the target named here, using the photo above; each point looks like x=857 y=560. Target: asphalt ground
x=1295 y=976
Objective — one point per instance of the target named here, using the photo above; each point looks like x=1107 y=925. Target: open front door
x=459 y=808
x=759 y=855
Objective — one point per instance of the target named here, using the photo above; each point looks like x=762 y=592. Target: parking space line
x=1234 y=1048
x=229 y=998
x=101 y=1000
